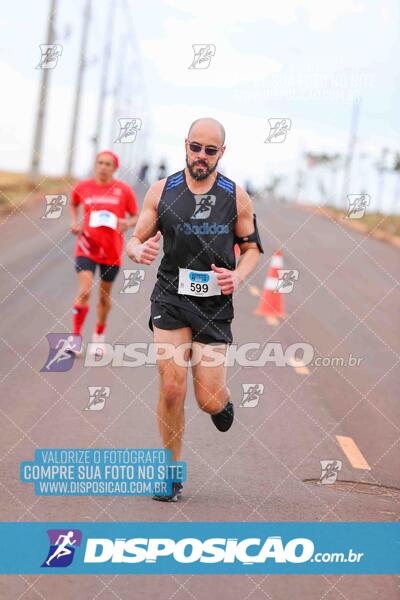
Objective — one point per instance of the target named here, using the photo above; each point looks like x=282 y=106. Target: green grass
x=16 y=188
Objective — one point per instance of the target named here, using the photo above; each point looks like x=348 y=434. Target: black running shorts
x=107 y=272
x=204 y=328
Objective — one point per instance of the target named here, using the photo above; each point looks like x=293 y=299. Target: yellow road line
x=353 y=452
x=298 y=366
x=302 y=370
x=272 y=320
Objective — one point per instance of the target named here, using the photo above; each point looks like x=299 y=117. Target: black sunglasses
x=210 y=150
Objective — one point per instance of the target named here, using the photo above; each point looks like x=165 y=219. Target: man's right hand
x=146 y=252
x=75 y=228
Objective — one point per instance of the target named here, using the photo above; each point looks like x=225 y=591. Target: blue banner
x=206 y=547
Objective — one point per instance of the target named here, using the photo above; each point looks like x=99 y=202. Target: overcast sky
x=304 y=60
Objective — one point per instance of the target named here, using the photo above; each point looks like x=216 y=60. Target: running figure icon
x=64 y=351
x=62 y=549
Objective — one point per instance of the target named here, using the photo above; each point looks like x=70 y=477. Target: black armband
x=252 y=237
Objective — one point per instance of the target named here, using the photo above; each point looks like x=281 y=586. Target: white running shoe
x=98 y=345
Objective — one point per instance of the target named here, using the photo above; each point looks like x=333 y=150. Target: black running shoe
x=224 y=419
x=176 y=492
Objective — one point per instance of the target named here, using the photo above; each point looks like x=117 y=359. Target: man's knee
x=211 y=399
x=173 y=387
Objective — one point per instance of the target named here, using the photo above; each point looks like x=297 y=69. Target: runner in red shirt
x=106 y=202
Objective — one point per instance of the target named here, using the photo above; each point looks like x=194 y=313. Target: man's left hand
x=228 y=280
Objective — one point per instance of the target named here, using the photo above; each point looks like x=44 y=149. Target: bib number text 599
x=199 y=287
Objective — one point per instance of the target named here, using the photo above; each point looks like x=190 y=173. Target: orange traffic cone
x=271 y=303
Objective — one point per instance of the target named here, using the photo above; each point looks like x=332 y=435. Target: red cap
x=111 y=153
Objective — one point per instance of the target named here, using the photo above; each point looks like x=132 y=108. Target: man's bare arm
x=228 y=280
x=143 y=246
x=249 y=251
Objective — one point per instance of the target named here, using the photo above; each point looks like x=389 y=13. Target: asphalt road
x=345 y=302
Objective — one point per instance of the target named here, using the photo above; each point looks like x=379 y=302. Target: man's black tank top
x=198 y=230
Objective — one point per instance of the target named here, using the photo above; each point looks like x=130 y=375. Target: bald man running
x=201 y=214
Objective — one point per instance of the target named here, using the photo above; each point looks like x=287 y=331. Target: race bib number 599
x=198 y=283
